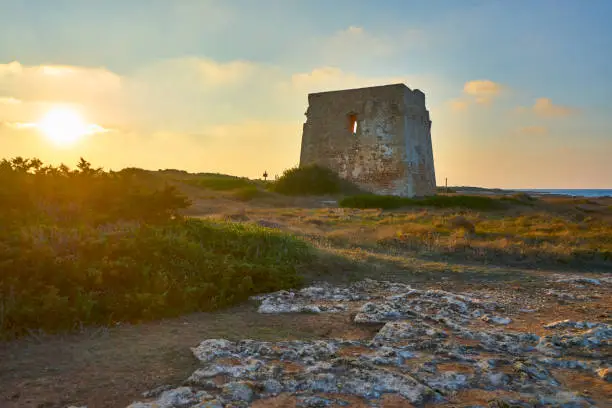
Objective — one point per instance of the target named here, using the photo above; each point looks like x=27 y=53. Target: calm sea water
x=574 y=192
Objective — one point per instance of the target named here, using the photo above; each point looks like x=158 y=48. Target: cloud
x=56 y=82
x=88 y=129
x=198 y=72
x=478 y=91
x=544 y=107
x=10 y=68
x=355 y=41
x=533 y=131
x=192 y=113
x=8 y=100
x=19 y=125
x=482 y=90
x=459 y=105
x=355 y=48
x=331 y=78
x=181 y=94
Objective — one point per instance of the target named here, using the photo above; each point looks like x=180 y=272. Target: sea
x=572 y=192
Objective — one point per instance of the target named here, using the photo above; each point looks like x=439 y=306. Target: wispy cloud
x=354 y=41
x=230 y=109
x=8 y=100
x=18 y=125
x=483 y=90
x=356 y=46
x=459 y=105
x=92 y=129
x=546 y=108
x=478 y=91
x=88 y=129
x=533 y=131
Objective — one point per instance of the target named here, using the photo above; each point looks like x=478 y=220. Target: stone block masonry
x=377 y=137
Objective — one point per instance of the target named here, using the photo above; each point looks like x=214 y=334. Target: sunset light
x=305 y=203
x=63 y=126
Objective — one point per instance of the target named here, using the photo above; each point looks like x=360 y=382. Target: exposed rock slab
x=325 y=298
x=431 y=344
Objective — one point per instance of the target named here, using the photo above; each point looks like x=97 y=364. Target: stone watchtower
x=378 y=137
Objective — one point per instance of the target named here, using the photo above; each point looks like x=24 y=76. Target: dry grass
x=550 y=233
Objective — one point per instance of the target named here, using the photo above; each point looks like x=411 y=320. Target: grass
x=395 y=202
x=89 y=247
x=543 y=235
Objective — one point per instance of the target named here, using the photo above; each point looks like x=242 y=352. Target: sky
x=520 y=92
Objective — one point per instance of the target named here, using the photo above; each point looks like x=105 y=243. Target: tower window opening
x=353 y=124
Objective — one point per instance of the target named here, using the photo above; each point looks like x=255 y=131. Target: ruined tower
x=377 y=137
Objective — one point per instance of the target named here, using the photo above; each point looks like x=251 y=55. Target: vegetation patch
x=539 y=238
x=56 y=278
x=312 y=180
x=248 y=193
x=33 y=193
x=220 y=182
x=442 y=189
x=394 y=202
x=520 y=198
x=83 y=246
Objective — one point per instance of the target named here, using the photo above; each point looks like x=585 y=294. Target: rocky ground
x=430 y=347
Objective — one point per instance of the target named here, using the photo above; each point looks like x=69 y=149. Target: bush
x=247 y=193
x=31 y=192
x=86 y=246
x=221 y=182
x=312 y=180
x=54 y=278
x=394 y=202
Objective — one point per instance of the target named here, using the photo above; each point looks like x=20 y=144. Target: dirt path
x=112 y=367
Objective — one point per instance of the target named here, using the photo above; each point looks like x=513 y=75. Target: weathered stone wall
x=391 y=151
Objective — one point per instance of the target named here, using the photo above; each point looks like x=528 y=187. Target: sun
x=63 y=126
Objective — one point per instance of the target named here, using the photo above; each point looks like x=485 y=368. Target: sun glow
x=63 y=126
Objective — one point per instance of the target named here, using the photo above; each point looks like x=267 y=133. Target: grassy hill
x=85 y=246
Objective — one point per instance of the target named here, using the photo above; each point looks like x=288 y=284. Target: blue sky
x=201 y=84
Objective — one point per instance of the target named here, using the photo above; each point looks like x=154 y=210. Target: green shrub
x=86 y=246
x=221 y=182
x=31 y=192
x=311 y=180
x=55 y=278
x=247 y=193
x=394 y=202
